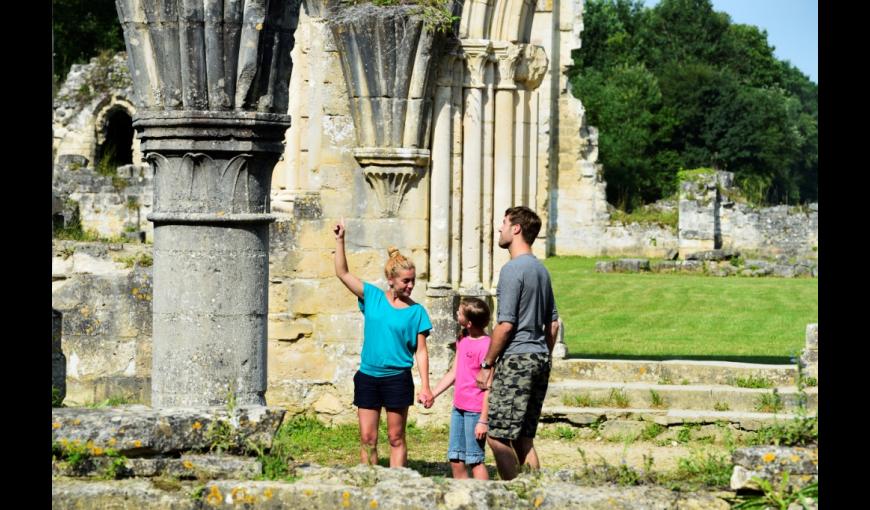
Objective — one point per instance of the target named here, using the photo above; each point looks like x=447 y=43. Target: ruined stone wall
x=104 y=298
x=81 y=106
x=713 y=214
x=771 y=231
x=112 y=206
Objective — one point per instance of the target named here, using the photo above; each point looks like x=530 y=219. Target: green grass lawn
x=661 y=316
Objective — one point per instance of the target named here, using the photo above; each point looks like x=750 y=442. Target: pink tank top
x=469 y=354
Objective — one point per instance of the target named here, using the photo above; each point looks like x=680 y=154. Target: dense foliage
x=81 y=30
x=681 y=86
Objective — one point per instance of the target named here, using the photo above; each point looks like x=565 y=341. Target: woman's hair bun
x=392 y=251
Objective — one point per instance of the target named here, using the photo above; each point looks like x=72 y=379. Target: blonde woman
x=395 y=334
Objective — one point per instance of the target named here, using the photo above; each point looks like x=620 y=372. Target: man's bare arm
x=552 y=335
x=499 y=337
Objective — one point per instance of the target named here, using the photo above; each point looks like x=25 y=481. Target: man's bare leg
x=368 y=435
x=526 y=454
x=505 y=457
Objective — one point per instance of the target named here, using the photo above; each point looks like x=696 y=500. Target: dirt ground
x=566 y=454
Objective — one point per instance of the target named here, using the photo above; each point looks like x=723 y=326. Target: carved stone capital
x=508 y=59
x=477 y=54
x=532 y=66
x=391 y=172
x=447 y=69
x=211 y=166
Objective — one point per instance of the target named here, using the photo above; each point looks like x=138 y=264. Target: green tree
x=680 y=86
x=81 y=29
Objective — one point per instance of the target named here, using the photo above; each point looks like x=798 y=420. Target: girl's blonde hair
x=396 y=262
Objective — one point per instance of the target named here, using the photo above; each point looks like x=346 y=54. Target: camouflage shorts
x=518 y=390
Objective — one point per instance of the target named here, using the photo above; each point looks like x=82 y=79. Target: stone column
x=486 y=203
x=521 y=143
x=212 y=82
x=211 y=263
x=456 y=189
x=440 y=214
x=504 y=149
x=476 y=57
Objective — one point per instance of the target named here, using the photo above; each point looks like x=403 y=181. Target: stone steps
x=585 y=416
x=671 y=371
x=694 y=396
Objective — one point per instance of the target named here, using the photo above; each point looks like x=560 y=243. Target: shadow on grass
x=772 y=360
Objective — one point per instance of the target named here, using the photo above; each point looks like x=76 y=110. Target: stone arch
x=114 y=132
x=497 y=20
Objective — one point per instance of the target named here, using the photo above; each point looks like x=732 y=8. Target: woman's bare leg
x=368 y=435
x=396 y=419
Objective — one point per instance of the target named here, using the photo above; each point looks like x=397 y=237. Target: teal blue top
x=390 y=339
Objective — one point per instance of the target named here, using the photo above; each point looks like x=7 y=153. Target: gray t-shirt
x=525 y=299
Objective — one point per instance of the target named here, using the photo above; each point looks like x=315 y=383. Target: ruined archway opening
x=117 y=147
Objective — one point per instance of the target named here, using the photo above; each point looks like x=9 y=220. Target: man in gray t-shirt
x=522 y=342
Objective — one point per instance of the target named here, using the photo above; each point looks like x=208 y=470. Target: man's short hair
x=527 y=219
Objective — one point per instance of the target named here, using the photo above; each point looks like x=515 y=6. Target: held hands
x=480 y=430
x=426 y=398
x=483 y=378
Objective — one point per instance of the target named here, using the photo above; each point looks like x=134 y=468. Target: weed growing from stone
x=56 y=398
x=197 y=492
x=618 y=398
x=752 y=382
x=684 y=433
x=656 y=400
x=721 y=406
x=665 y=379
x=582 y=400
x=139 y=260
x=801 y=431
x=651 y=431
x=116 y=466
x=565 y=432
x=769 y=402
x=705 y=468
x=113 y=401
x=781 y=497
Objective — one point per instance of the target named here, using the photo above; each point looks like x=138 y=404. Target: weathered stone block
x=136 y=431
x=309 y=297
x=604 y=266
x=300 y=359
x=715 y=255
x=770 y=462
x=631 y=265
x=622 y=429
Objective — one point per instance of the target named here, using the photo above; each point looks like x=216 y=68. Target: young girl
x=394 y=333
x=468 y=422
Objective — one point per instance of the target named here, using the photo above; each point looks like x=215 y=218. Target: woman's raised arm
x=350 y=281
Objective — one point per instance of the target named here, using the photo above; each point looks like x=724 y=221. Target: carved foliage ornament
x=198 y=183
